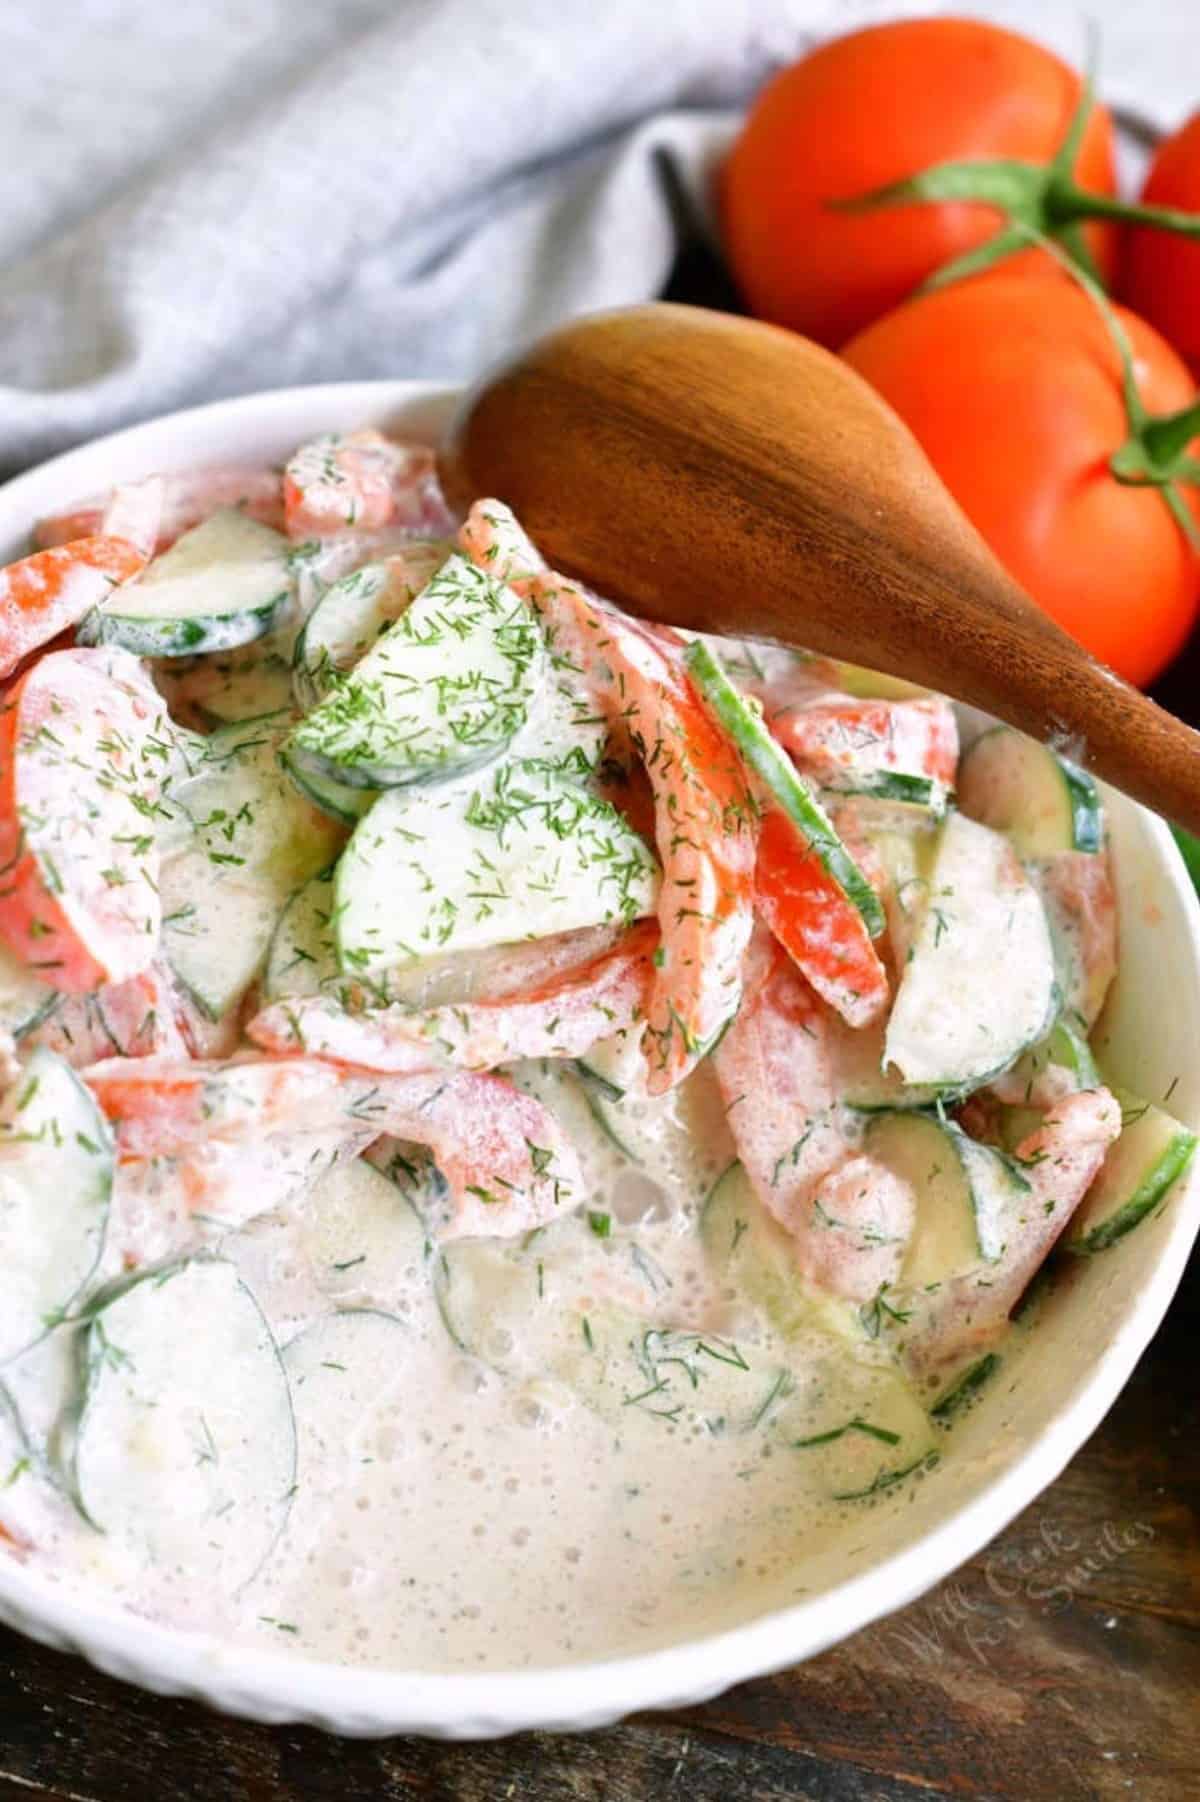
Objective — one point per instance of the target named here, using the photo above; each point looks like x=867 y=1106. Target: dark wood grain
x=718 y=473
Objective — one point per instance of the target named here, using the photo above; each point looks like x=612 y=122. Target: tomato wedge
x=777 y=1066
x=563 y=1018
x=135 y=1018
x=44 y=594
x=361 y=480
x=822 y=931
x=83 y=744
x=835 y=741
x=507 y=1164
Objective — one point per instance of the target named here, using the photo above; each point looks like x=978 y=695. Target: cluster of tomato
x=936 y=200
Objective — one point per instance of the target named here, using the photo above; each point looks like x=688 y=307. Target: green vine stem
x=1155 y=454
x=1032 y=198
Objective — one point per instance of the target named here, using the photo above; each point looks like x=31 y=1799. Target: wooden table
x=1062 y=1665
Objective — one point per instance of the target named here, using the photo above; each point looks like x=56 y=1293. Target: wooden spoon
x=716 y=473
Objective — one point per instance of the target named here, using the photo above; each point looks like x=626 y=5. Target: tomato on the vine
x=1160 y=271
x=880 y=107
x=1016 y=390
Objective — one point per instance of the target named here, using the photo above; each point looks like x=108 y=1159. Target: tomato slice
x=44 y=594
x=135 y=1018
x=816 y=923
x=778 y=1068
x=563 y=1018
x=834 y=740
x=361 y=480
x=507 y=1164
x=82 y=749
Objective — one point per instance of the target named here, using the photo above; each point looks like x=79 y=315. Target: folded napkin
x=250 y=193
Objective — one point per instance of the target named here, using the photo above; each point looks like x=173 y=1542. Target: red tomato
x=874 y=108
x=1013 y=387
x=1160 y=272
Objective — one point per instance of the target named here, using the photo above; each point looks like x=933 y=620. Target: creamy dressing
x=612 y=1433
x=478 y=1509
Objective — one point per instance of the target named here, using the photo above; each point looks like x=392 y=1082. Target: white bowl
x=1052 y=1393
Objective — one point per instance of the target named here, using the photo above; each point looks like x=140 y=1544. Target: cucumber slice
x=522 y=853
x=342 y=1371
x=964 y=1388
x=743 y=723
x=854 y=1427
x=568 y=1306
x=302 y=960
x=905 y=840
x=220 y=585
x=556 y=1308
x=254 y=841
x=1151 y=1154
x=1081 y=910
x=343 y=804
x=979 y=985
x=56 y=1174
x=349 y=618
x=185 y=1452
x=858 y=1423
x=227 y=690
x=870 y=684
x=502 y=1300
x=626 y=1367
x=302 y=957
x=896 y=786
x=1041 y=801
x=680 y=1140
x=215 y=930
x=1065 y=1051
x=969 y=1196
x=563 y=732
x=443 y=690
x=742 y=1239
x=361 y=1232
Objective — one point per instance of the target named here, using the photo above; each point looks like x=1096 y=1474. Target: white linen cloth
x=201 y=200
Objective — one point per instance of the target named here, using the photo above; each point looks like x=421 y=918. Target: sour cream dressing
x=475 y=1497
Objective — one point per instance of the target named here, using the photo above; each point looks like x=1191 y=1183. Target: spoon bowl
x=720 y=474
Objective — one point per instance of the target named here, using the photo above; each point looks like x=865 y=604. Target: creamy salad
x=518 y=1123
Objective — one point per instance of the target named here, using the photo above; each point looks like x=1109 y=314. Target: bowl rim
x=282 y=1687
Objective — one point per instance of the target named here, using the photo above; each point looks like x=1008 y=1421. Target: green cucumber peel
x=743 y=724
x=1152 y=1190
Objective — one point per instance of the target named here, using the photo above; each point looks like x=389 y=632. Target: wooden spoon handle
x=720 y=474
